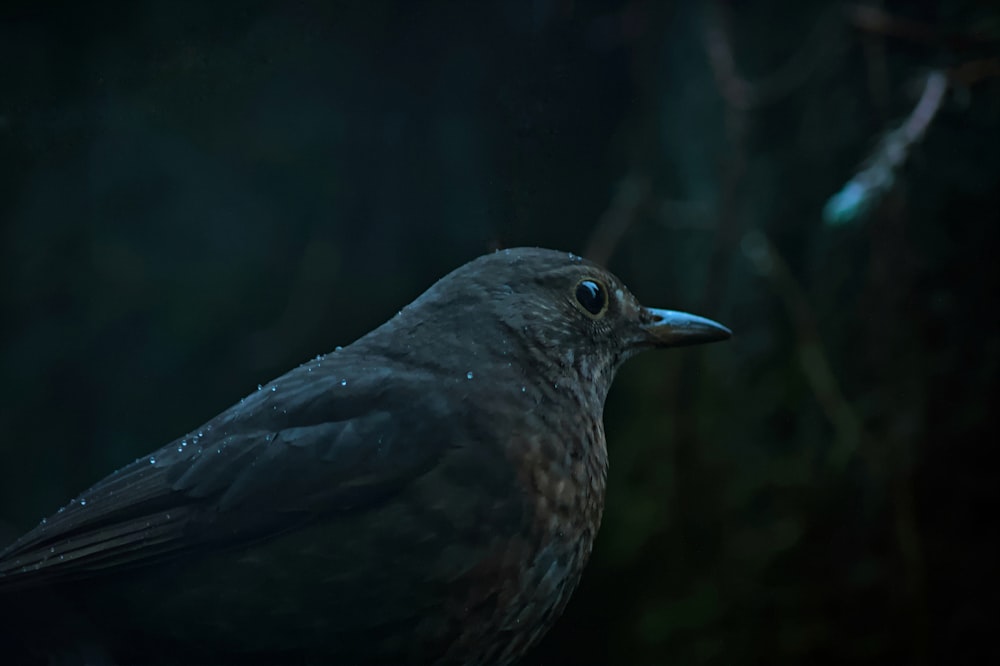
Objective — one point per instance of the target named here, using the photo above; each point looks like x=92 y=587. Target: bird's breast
x=562 y=473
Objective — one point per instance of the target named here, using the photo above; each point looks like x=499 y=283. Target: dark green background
x=197 y=196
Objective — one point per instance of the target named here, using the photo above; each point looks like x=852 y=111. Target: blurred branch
x=878 y=72
x=876 y=20
x=674 y=214
x=852 y=438
x=817 y=368
x=744 y=94
x=870 y=185
x=632 y=200
x=629 y=199
x=974 y=71
x=927 y=107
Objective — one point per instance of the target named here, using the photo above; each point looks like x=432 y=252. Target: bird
x=427 y=494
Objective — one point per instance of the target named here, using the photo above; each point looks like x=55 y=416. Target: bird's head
x=563 y=315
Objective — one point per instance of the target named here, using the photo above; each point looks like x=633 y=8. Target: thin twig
x=875 y=19
x=872 y=183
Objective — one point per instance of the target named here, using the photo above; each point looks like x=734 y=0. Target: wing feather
x=277 y=461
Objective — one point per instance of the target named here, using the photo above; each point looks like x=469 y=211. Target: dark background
x=197 y=196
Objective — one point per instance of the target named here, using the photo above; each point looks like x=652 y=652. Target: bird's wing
x=322 y=441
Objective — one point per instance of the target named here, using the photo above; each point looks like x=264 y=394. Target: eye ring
x=592 y=297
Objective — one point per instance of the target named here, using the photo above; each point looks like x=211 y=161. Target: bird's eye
x=592 y=297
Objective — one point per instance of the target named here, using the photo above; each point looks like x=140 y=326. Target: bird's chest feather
x=561 y=475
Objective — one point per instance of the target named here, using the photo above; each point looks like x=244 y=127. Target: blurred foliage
x=196 y=197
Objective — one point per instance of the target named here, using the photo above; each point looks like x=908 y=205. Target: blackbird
x=429 y=493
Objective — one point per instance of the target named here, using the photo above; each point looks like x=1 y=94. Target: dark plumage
x=428 y=493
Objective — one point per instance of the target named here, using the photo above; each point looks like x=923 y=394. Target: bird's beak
x=667 y=328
